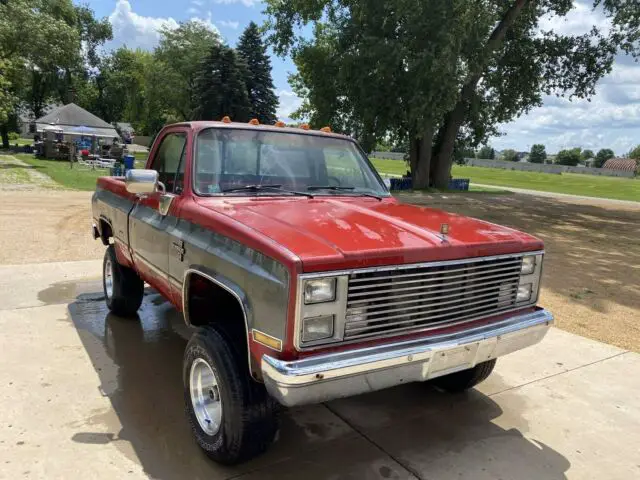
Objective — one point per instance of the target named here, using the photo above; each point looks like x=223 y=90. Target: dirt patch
x=46 y=226
x=591 y=278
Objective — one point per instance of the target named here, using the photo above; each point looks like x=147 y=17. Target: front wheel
x=123 y=288
x=465 y=379
x=232 y=417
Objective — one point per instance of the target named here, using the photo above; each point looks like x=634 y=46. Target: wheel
x=232 y=417
x=465 y=379
x=123 y=288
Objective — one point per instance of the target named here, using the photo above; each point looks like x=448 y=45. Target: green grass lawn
x=78 y=177
x=571 y=183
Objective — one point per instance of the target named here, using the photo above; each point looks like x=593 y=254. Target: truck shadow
x=388 y=434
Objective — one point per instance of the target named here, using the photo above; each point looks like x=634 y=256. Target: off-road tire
x=128 y=287
x=250 y=417
x=465 y=379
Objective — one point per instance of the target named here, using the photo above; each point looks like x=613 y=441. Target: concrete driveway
x=85 y=394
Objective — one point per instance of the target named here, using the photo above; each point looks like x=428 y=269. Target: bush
x=13 y=136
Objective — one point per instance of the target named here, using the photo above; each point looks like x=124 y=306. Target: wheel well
x=105 y=231
x=210 y=304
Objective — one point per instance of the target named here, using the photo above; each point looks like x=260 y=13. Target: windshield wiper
x=265 y=188
x=338 y=188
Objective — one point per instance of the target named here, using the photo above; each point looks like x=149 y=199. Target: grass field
x=570 y=183
x=78 y=177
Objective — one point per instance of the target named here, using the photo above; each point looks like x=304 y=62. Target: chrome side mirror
x=141 y=181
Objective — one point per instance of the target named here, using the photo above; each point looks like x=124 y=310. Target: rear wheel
x=232 y=416
x=466 y=379
x=123 y=288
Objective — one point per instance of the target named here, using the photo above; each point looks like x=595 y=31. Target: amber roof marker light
x=254 y=121
x=304 y=126
x=279 y=123
x=326 y=129
x=226 y=119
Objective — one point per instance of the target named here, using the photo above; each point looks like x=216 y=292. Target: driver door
x=149 y=228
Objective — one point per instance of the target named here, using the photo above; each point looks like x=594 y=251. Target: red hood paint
x=331 y=233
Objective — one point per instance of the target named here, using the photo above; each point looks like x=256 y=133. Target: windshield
x=240 y=162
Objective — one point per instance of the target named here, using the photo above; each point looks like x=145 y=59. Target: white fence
x=523 y=166
x=544 y=168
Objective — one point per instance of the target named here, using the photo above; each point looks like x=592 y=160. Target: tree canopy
x=509 y=155
x=221 y=87
x=538 y=154
x=262 y=98
x=602 y=156
x=569 y=157
x=442 y=74
x=486 y=152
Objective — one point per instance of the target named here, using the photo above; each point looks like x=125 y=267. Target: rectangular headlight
x=317 y=328
x=528 y=265
x=319 y=290
x=524 y=292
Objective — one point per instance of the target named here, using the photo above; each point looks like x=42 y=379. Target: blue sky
x=611 y=119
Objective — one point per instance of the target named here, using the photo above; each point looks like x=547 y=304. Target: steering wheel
x=334 y=179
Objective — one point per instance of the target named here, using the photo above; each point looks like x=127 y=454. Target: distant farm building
x=623 y=164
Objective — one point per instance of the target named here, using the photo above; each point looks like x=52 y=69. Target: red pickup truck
x=303 y=278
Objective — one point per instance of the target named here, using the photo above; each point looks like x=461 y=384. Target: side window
x=169 y=162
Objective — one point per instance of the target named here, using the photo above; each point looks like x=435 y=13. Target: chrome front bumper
x=344 y=374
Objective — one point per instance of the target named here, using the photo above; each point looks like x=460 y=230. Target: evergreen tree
x=258 y=79
x=220 y=86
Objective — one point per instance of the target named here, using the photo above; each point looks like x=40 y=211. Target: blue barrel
x=129 y=161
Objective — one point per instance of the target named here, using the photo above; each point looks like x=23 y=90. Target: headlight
x=317 y=328
x=524 y=292
x=319 y=290
x=528 y=265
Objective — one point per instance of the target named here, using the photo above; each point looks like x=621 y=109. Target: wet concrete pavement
x=86 y=394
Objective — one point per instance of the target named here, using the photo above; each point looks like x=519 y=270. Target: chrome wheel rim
x=205 y=396
x=108 y=278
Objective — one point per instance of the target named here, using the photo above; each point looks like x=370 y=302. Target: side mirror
x=141 y=181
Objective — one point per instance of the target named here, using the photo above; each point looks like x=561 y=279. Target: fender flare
x=230 y=287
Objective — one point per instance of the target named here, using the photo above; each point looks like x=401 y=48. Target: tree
x=262 y=98
x=509 y=155
x=439 y=73
x=635 y=153
x=568 y=157
x=181 y=52
x=602 y=156
x=220 y=86
x=486 y=153
x=537 y=154
x=586 y=155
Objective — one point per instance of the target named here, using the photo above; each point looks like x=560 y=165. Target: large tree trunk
x=455 y=118
x=4 y=132
x=423 y=166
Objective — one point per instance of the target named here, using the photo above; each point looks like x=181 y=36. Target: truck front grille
x=413 y=298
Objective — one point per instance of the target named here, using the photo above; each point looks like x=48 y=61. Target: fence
x=523 y=166
x=544 y=168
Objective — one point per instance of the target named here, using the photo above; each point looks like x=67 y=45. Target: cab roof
x=202 y=124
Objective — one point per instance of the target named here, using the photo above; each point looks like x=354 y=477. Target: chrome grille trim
x=392 y=300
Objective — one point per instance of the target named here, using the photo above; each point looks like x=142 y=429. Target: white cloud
x=138 y=31
x=229 y=24
x=289 y=103
x=610 y=120
x=246 y=3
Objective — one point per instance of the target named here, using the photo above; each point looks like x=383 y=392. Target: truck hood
x=329 y=233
